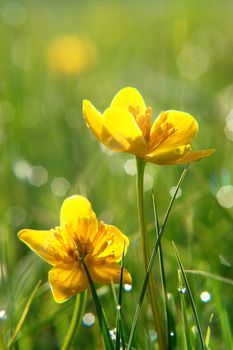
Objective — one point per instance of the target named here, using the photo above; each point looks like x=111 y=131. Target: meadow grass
x=48 y=153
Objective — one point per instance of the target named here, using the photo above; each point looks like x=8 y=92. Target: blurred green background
x=179 y=55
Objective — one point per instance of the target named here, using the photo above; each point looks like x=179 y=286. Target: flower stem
x=153 y=292
x=79 y=307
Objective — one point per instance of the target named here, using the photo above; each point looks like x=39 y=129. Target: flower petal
x=74 y=209
x=129 y=97
x=194 y=156
x=109 y=244
x=67 y=280
x=124 y=133
x=93 y=118
x=108 y=273
x=47 y=244
x=172 y=129
x=168 y=155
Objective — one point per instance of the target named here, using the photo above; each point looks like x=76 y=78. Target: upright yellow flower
x=126 y=127
x=70 y=54
x=79 y=237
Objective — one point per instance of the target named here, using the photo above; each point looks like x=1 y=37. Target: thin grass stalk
x=210 y=275
x=187 y=335
x=79 y=308
x=99 y=310
x=163 y=277
x=152 y=259
x=153 y=292
x=225 y=324
x=203 y=347
x=23 y=316
x=208 y=332
x=119 y=330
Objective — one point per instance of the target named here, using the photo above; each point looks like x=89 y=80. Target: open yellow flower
x=126 y=127
x=78 y=237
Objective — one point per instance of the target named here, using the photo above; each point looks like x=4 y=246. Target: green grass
x=41 y=123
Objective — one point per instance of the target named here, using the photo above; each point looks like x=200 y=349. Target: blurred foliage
x=179 y=55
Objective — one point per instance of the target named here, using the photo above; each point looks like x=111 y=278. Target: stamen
x=143 y=121
x=162 y=132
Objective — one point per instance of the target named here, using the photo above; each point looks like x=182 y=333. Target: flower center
x=143 y=121
x=82 y=247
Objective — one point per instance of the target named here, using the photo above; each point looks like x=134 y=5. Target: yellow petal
x=129 y=97
x=172 y=129
x=109 y=244
x=124 y=133
x=93 y=118
x=194 y=156
x=67 y=280
x=167 y=156
x=75 y=208
x=47 y=244
x=108 y=273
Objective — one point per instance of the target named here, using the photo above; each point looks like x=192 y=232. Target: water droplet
x=172 y=334
x=205 y=296
x=182 y=290
x=127 y=287
x=88 y=319
x=112 y=333
x=118 y=307
x=3 y=315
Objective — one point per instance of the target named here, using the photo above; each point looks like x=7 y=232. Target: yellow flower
x=70 y=55
x=126 y=127
x=78 y=237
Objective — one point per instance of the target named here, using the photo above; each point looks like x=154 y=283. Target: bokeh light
x=88 y=319
x=225 y=196
x=205 y=296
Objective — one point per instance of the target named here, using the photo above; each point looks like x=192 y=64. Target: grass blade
x=100 y=313
x=225 y=322
x=210 y=275
x=23 y=316
x=152 y=259
x=208 y=332
x=79 y=308
x=119 y=330
x=190 y=298
x=163 y=278
x=188 y=340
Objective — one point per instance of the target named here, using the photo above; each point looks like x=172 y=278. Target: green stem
x=99 y=310
x=163 y=278
x=153 y=293
x=79 y=307
x=152 y=260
